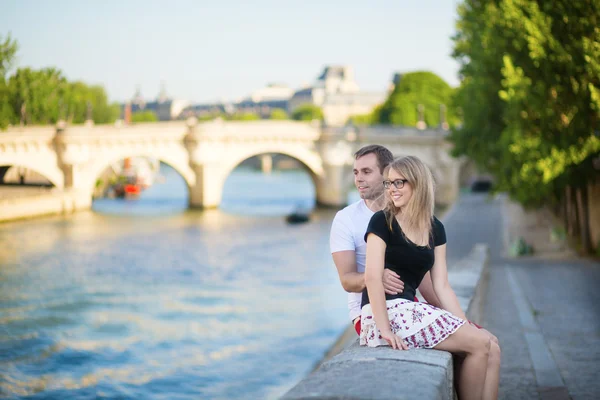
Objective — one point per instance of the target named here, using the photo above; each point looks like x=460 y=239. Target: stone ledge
x=382 y=373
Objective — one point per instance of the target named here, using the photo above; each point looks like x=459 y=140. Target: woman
x=406 y=238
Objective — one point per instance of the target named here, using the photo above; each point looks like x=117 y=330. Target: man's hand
x=391 y=282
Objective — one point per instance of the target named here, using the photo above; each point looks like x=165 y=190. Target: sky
x=205 y=51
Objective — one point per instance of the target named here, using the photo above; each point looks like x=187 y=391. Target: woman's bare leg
x=492 y=377
x=476 y=347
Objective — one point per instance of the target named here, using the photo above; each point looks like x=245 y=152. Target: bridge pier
x=207 y=191
x=332 y=187
x=266 y=163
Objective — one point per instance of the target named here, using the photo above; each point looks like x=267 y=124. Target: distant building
x=164 y=107
x=263 y=101
x=335 y=91
x=338 y=95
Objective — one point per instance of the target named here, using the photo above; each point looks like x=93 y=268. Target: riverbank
x=28 y=202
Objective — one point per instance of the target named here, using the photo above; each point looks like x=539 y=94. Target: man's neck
x=374 y=205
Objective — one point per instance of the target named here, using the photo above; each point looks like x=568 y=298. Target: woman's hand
x=395 y=341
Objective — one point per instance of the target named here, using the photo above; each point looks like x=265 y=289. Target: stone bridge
x=73 y=157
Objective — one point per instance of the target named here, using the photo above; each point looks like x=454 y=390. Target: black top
x=404 y=257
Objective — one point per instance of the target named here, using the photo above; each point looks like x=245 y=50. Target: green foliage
x=208 y=117
x=278 y=113
x=530 y=93
x=421 y=87
x=246 y=116
x=519 y=247
x=8 y=50
x=81 y=97
x=361 y=119
x=144 y=116
x=44 y=96
x=38 y=96
x=6 y=111
x=307 y=112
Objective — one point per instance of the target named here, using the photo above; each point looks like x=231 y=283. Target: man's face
x=367 y=177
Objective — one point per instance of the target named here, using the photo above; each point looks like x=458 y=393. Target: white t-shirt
x=348 y=233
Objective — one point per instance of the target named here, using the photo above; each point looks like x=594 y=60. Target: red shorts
x=357 y=326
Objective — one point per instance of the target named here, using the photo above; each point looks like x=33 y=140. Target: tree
x=37 y=96
x=307 y=112
x=144 y=116
x=530 y=94
x=278 y=113
x=414 y=89
x=244 y=116
x=8 y=50
x=44 y=96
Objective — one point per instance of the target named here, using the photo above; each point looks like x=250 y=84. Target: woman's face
x=400 y=197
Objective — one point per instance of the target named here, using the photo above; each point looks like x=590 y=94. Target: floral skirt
x=421 y=325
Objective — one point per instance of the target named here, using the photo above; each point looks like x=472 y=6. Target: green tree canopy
x=38 y=96
x=82 y=96
x=144 y=116
x=307 y=112
x=8 y=50
x=44 y=96
x=530 y=93
x=414 y=89
x=278 y=113
x=244 y=116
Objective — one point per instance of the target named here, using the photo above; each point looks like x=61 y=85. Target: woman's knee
x=495 y=353
x=480 y=344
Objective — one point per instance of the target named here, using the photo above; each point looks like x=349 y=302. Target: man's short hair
x=383 y=155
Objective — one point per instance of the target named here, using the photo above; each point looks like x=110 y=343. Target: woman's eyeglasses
x=398 y=183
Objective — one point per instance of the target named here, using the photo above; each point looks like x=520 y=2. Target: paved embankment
x=545 y=311
x=28 y=202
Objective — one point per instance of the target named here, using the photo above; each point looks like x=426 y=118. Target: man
x=347 y=242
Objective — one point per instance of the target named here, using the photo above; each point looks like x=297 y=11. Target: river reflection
x=147 y=299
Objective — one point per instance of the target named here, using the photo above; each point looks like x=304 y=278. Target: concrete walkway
x=545 y=311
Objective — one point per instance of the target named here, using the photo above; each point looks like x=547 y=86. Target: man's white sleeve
x=340 y=237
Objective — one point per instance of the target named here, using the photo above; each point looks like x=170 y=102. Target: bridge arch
x=52 y=173
x=310 y=160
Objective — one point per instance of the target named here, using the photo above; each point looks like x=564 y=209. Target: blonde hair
x=418 y=213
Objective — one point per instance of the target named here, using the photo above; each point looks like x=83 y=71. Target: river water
x=148 y=300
